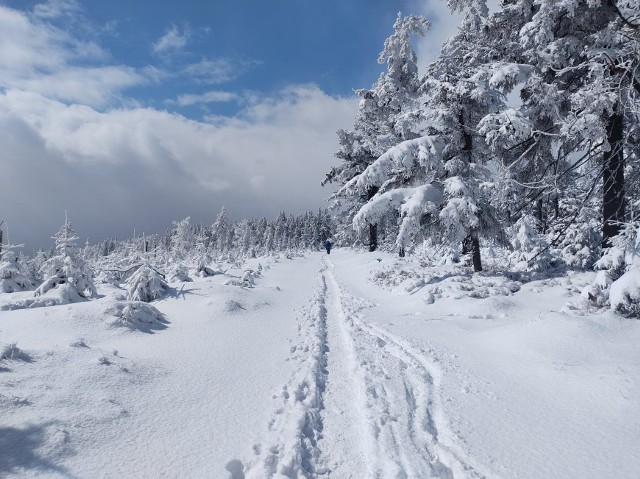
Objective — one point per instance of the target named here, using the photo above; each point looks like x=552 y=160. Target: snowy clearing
x=353 y=365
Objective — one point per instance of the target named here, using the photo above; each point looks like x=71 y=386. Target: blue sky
x=132 y=114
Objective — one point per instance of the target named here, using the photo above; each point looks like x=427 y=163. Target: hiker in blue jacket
x=327 y=245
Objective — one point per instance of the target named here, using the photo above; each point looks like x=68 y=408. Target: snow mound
x=248 y=279
x=443 y=283
x=63 y=293
x=16 y=283
x=179 y=274
x=136 y=315
x=205 y=271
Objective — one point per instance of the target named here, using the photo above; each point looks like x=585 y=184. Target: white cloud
x=37 y=56
x=209 y=97
x=56 y=8
x=141 y=168
x=90 y=86
x=173 y=40
x=219 y=70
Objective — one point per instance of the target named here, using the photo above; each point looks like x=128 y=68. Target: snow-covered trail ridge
x=362 y=402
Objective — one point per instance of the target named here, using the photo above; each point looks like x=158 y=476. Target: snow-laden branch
x=424 y=152
x=411 y=203
x=505 y=129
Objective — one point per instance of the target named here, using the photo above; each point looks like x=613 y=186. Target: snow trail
x=290 y=447
x=361 y=403
x=346 y=448
x=411 y=431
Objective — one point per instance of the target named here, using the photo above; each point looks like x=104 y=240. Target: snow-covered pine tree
x=13 y=272
x=384 y=119
x=183 y=239
x=435 y=182
x=146 y=284
x=67 y=267
x=220 y=231
x=577 y=98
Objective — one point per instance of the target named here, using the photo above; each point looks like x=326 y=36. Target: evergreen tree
x=14 y=274
x=434 y=183
x=67 y=267
x=220 y=231
x=578 y=99
x=384 y=118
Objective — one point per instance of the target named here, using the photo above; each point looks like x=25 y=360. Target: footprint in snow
x=236 y=468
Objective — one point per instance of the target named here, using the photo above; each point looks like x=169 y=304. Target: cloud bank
x=72 y=141
x=141 y=168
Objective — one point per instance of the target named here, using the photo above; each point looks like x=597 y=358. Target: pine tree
x=384 y=118
x=220 y=231
x=578 y=100
x=67 y=267
x=13 y=271
x=434 y=183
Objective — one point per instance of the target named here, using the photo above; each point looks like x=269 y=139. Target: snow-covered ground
x=352 y=365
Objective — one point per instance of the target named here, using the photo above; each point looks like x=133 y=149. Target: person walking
x=327 y=246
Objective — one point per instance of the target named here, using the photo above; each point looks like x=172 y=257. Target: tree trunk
x=373 y=237
x=472 y=242
x=373 y=229
x=475 y=251
x=0 y=241
x=613 y=181
x=466 y=245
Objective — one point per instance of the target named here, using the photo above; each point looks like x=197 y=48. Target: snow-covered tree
x=146 y=284
x=13 y=274
x=220 y=231
x=617 y=282
x=531 y=249
x=437 y=183
x=67 y=267
x=184 y=239
x=384 y=118
x=578 y=98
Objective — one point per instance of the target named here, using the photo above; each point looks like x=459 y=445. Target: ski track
x=361 y=403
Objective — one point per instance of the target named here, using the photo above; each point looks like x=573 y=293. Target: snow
x=625 y=292
x=344 y=365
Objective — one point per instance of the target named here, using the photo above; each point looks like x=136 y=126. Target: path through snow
x=361 y=403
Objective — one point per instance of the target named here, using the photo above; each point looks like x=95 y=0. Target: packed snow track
x=361 y=403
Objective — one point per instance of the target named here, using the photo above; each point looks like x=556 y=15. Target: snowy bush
x=146 y=284
x=624 y=293
x=136 y=315
x=13 y=352
x=248 y=279
x=12 y=278
x=204 y=271
x=580 y=246
x=617 y=282
x=179 y=273
x=531 y=250
x=64 y=293
x=448 y=255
